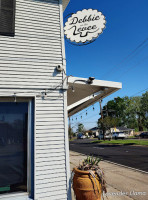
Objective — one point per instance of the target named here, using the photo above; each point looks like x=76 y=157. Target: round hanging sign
x=84 y=26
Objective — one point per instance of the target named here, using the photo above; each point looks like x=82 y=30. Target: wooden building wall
x=27 y=67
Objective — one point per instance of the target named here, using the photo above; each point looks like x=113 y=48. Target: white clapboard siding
x=36 y=46
x=36 y=18
x=50 y=148
x=32 y=64
x=24 y=10
x=51 y=167
x=33 y=81
x=49 y=176
x=52 y=188
x=27 y=68
x=47 y=135
x=33 y=55
x=46 y=102
x=47 y=108
x=50 y=136
x=44 y=112
x=49 y=118
x=55 y=116
x=28 y=58
x=52 y=184
x=31 y=47
x=58 y=154
x=43 y=123
x=39 y=74
x=29 y=42
x=55 y=197
x=51 y=130
x=45 y=182
x=45 y=26
x=55 y=192
x=53 y=163
x=35 y=50
x=54 y=104
x=50 y=171
x=48 y=143
x=40 y=79
x=49 y=151
x=46 y=139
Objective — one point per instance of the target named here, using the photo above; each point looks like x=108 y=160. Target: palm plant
x=91 y=164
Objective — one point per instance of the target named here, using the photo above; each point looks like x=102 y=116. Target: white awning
x=81 y=94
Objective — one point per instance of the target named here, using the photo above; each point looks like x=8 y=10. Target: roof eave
x=65 y=3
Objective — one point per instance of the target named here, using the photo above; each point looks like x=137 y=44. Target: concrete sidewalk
x=122 y=183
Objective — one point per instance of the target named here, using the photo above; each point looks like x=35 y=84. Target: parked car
x=118 y=135
x=144 y=135
x=81 y=136
x=107 y=137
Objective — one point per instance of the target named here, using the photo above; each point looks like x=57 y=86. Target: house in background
x=127 y=131
x=93 y=131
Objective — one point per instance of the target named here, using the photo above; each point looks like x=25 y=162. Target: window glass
x=13 y=147
x=7 y=17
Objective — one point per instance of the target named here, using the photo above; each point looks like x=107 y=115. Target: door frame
x=30 y=146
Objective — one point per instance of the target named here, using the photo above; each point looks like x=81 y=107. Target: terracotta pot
x=85 y=187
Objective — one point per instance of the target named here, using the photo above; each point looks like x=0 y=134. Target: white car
x=108 y=137
x=118 y=135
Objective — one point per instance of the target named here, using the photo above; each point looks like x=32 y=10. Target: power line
x=133 y=66
x=126 y=58
x=139 y=92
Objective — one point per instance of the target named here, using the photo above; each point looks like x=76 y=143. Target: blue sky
x=106 y=58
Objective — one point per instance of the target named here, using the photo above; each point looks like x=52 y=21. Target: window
x=14 y=119
x=7 y=17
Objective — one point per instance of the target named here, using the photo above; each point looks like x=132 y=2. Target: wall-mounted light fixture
x=90 y=80
x=59 y=68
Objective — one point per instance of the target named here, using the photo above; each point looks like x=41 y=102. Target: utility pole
x=100 y=101
x=106 y=111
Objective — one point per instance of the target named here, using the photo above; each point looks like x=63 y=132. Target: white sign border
x=93 y=38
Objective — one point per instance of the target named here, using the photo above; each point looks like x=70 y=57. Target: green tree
x=134 y=118
x=108 y=122
x=131 y=112
x=70 y=132
x=80 y=128
x=144 y=108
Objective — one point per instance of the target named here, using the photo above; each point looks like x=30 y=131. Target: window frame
x=30 y=162
x=13 y=22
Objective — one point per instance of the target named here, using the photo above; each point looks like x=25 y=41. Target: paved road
x=131 y=156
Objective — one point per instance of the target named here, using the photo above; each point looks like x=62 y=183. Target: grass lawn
x=123 y=142
x=72 y=139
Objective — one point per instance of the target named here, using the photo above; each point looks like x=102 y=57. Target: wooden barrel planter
x=85 y=186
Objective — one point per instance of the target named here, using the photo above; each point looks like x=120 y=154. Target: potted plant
x=88 y=180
